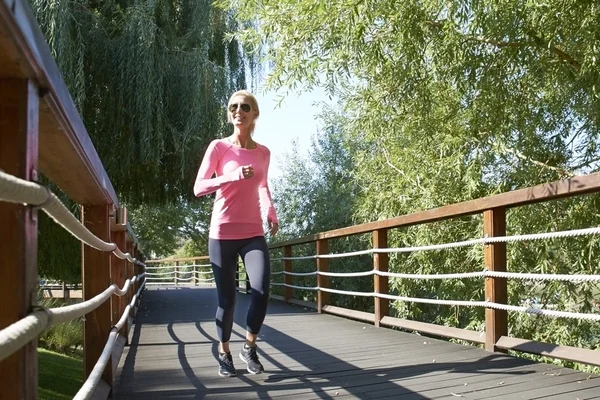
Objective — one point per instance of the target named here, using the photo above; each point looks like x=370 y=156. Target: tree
x=449 y=101
x=163 y=229
x=150 y=80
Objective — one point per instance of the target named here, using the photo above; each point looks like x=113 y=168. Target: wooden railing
x=41 y=131
x=179 y=271
x=493 y=209
x=176 y=264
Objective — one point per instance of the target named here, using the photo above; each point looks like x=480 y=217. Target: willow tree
x=150 y=79
x=451 y=100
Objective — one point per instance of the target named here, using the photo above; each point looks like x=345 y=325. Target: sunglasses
x=243 y=106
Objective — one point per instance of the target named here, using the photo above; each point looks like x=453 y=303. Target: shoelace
x=252 y=354
x=227 y=359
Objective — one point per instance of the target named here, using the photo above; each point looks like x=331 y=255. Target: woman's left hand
x=273 y=228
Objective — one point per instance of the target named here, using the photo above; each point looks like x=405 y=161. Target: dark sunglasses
x=243 y=106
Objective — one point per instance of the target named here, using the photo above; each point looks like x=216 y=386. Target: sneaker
x=226 y=367
x=249 y=356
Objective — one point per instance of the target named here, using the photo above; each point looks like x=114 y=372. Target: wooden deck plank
x=318 y=356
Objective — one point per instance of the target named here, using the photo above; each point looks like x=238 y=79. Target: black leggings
x=223 y=257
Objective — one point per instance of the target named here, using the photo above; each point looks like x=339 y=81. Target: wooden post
x=287 y=279
x=118 y=274
x=248 y=286
x=381 y=283
x=237 y=275
x=96 y=278
x=130 y=274
x=322 y=281
x=176 y=271
x=496 y=324
x=195 y=274
x=19 y=113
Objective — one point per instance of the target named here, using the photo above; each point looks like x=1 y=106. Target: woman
x=240 y=167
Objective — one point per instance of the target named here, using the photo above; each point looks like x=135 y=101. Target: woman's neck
x=242 y=138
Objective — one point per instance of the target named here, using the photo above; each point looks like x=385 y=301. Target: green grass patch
x=60 y=376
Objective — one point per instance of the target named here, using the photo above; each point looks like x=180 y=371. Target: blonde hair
x=251 y=100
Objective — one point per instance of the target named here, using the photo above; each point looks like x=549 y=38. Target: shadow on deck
x=318 y=356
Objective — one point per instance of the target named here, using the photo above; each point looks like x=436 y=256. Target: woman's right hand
x=247 y=171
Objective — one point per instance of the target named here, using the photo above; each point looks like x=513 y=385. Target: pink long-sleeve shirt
x=237 y=207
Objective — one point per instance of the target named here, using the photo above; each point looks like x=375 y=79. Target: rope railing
x=466 y=243
x=460 y=303
x=20 y=191
x=89 y=386
x=466 y=275
x=18 y=334
x=150 y=274
x=178 y=266
x=461 y=275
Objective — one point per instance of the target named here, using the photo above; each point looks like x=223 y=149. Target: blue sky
x=278 y=126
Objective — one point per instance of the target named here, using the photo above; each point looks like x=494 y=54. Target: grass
x=60 y=376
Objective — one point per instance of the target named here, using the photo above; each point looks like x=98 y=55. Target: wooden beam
x=569 y=353
x=496 y=323
x=575 y=186
x=118 y=276
x=96 y=279
x=67 y=155
x=381 y=283
x=322 y=281
x=287 y=279
x=19 y=108
x=433 y=329
x=349 y=313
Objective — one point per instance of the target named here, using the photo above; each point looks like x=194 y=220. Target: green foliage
x=163 y=229
x=442 y=102
x=150 y=79
x=63 y=338
x=60 y=376
x=59 y=253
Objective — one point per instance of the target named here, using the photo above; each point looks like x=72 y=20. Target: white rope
x=184 y=279
x=472 y=242
x=89 y=386
x=159 y=273
x=295 y=287
x=301 y=273
x=16 y=190
x=277 y=273
x=487 y=304
x=461 y=275
x=18 y=334
x=543 y=277
x=149 y=266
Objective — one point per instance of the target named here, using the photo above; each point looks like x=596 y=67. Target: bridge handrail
x=91 y=383
x=17 y=335
x=20 y=191
x=495 y=337
x=575 y=186
x=42 y=131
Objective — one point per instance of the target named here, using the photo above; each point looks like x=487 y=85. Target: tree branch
x=555 y=49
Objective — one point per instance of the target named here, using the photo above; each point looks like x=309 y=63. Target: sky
x=279 y=125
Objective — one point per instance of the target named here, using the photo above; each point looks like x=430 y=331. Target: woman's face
x=241 y=111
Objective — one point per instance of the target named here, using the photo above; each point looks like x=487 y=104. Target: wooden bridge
x=308 y=355
x=311 y=350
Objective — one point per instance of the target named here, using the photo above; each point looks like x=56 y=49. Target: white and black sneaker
x=226 y=367
x=250 y=357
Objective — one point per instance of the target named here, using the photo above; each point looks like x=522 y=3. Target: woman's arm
x=204 y=183
x=265 y=196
